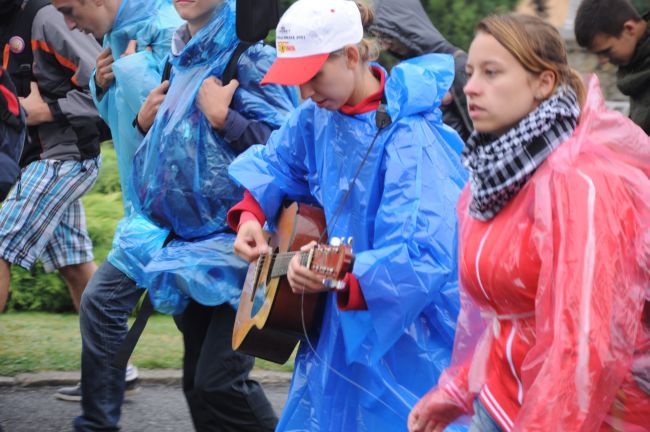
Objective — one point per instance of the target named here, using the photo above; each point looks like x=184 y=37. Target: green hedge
x=39 y=291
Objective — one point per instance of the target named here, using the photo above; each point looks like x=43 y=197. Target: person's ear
x=631 y=28
x=546 y=83
x=352 y=56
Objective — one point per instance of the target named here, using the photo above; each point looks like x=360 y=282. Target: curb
x=148 y=376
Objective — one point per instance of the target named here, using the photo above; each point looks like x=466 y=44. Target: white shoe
x=131 y=372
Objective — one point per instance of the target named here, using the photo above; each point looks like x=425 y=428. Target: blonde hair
x=369 y=49
x=536 y=45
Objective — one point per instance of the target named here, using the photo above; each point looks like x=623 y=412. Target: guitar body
x=269 y=318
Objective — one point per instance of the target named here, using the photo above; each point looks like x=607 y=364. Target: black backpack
x=19 y=65
x=255 y=18
x=12 y=135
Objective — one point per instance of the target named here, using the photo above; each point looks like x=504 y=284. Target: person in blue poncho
x=187 y=135
x=386 y=336
x=136 y=38
x=203 y=119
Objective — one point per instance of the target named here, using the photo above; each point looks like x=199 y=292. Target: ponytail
x=368 y=48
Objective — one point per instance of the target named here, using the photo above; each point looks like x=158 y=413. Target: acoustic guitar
x=269 y=322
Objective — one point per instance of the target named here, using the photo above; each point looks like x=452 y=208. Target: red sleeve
x=456 y=385
x=351 y=297
x=248 y=204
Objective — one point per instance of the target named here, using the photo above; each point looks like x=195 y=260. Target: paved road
x=157 y=408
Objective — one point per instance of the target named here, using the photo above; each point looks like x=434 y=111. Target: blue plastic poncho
x=182 y=179
x=151 y=23
x=401 y=216
x=205 y=270
x=181 y=170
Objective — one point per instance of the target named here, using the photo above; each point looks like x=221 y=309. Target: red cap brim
x=294 y=71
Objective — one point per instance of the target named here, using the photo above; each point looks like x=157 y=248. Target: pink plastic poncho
x=554 y=289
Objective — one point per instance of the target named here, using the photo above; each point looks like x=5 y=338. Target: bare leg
x=5 y=274
x=76 y=277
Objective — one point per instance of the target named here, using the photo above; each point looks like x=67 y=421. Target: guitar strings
x=337 y=213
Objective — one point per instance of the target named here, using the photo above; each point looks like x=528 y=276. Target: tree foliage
x=643 y=6
x=456 y=19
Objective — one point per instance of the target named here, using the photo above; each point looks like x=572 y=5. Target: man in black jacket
x=404 y=29
x=616 y=32
x=43 y=218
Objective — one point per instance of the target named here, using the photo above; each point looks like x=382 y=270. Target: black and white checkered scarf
x=500 y=166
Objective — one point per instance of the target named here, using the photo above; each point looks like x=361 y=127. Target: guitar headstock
x=331 y=261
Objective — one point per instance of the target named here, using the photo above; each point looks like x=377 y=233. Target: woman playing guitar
x=372 y=151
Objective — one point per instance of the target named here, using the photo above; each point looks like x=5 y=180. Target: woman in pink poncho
x=554 y=331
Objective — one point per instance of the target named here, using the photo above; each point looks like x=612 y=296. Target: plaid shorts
x=43 y=218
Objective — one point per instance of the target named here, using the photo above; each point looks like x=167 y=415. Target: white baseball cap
x=307 y=33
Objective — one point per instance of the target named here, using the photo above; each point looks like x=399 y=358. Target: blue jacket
x=401 y=216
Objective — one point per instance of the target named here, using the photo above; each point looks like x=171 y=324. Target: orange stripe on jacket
x=42 y=45
x=5 y=57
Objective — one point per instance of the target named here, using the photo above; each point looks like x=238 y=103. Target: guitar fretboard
x=280 y=262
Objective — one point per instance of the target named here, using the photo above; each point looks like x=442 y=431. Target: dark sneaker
x=73 y=393
x=132 y=388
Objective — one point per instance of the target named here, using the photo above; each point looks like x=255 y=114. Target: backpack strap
x=166 y=74
x=230 y=72
x=125 y=350
x=167 y=71
x=123 y=355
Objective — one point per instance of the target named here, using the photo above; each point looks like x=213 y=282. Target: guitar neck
x=281 y=261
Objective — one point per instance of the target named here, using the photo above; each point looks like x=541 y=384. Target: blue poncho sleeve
x=281 y=165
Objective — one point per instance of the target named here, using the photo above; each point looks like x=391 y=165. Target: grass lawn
x=36 y=341
x=39 y=341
